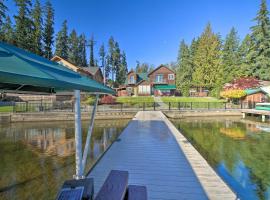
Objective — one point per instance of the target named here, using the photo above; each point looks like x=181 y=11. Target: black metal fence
x=138 y=106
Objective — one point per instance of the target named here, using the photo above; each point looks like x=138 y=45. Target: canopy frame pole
x=89 y=133
x=78 y=135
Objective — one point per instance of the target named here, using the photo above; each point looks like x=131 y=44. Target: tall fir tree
x=73 y=48
x=117 y=64
x=7 y=31
x=230 y=56
x=110 y=59
x=24 y=25
x=207 y=61
x=37 y=34
x=62 y=42
x=102 y=57
x=107 y=67
x=3 y=9
x=82 y=51
x=184 y=70
x=123 y=69
x=244 y=60
x=48 y=30
x=259 y=54
x=91 y=45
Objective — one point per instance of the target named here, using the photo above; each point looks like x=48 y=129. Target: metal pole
x=78 y=135
x=89 y=133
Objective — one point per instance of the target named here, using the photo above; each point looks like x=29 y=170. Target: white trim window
x=132 y=79
x=171 y=77
x=159 y=78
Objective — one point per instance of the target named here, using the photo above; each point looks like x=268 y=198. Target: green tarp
x=25 y=69
x=165 y=87
x=252 y=91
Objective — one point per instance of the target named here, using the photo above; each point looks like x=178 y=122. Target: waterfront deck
x=262 y=113
x=159 y=157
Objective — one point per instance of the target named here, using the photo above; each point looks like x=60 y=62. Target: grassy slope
x=6 y=109
x=134 y=99
x=190 y=99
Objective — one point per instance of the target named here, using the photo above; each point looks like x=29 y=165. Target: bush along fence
x=140 y=106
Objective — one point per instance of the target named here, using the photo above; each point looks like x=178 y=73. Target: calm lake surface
x=35 y=158
x=239 y=151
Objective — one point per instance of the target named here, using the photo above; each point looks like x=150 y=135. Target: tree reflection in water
x=35 y=158
x=237 y=149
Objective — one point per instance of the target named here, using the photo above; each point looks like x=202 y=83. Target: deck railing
x=135 y=106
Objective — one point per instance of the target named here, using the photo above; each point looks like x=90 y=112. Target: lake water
x=238 y=150
x=35 y=158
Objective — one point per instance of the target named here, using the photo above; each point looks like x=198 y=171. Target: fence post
x=143 y=106
x=208 y=105
x=14 y=106
x=121 y=107
x=190 y=105
x=241 y=104
x=178 y=105
x=26 y=106
x=225 y=107
x=169 y=105
x=154 y=105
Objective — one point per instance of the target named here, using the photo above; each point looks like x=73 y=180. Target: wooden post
x=263 y=118
x=169 y=105
x=178 y=105
x=243 y=115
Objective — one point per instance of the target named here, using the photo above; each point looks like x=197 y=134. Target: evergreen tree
x=24 y=25
x=230 y=55
x=62 y=42
x=110 y=59
x=107 y=68
x=117 y=64
x=82 y=51
x=102 y=57
x=92 y=59
x=7 y=31
x=37 y=34
x=3 y=10
x=207 y=61
x=48 y=30
x=244 y=60
x=122 y=69
x=259 y=53
x=184 y=70
x=73 y=48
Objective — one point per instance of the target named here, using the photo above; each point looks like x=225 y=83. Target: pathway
x=160 y=103
x=158 y=156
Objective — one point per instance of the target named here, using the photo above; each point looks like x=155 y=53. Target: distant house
x=159 y=82
x=91 y=72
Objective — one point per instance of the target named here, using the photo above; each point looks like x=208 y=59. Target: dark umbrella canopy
x=22 y=70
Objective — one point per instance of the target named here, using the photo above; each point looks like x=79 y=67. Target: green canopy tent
x=22 y=71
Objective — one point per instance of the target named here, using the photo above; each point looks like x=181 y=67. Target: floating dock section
x=158 y=156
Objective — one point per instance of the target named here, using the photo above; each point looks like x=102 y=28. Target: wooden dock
x=262 y=113
x=158 y=156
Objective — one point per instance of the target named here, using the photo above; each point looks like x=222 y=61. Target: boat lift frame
x=80 y=157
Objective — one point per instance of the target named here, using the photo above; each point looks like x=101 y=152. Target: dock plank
x=157 y=156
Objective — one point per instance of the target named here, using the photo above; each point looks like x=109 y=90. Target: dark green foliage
x=184 y=70
x=3 y=10
x=48 y=30
x=82 y=62
x=37 y=32
x=244 y=60
x=122 y=69
x=102 y=56
x=230 y=56
x=92 y=59
x=142 y=67
x=62 y=41
x=7 y=34
x=24 y=25
x=259 y=54
x=107 y=67
x=73 y=48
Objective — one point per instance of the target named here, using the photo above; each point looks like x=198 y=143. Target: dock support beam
x=263 y=118
x=243 y=115
x=78 y=135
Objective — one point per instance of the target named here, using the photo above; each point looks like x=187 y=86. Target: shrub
x=233 y=94
x=108 y=99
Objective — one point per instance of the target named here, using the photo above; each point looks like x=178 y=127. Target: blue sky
x=151 y=30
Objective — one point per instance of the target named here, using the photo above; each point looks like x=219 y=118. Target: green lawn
x=135 y=99
x=191 y=99
x=6 y=109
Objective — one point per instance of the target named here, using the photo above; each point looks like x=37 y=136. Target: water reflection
x=35 y=158
x=237 y=149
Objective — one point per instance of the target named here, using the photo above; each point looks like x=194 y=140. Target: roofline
x=56 y=56
x=159 y=68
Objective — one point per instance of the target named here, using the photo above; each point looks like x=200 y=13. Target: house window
x=171 y=76
x=159 y=78
x=132 y=79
